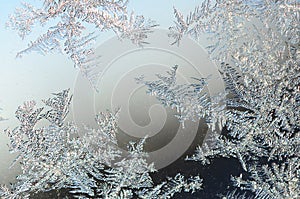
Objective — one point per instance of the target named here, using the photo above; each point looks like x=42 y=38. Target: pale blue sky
x=35 y=76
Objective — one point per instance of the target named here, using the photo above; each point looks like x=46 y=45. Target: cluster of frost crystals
x=190 y=100
x=56 y=157
x=171 y=186
x=6 y=193
x=270 y=25
x=256 y=45
x=50 y=157
x=73 y=18
x=130 y=178
x=127 y=175
x=235 y=195
x=277 y=180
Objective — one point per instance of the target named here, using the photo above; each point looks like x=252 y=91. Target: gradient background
x=35 y=76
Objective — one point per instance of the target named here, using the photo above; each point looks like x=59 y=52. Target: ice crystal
x=59 y=107
x=236 y=195
x=262 y=74
x=256 y=46
x=168 y=188
x=250 y=25
x=50 y=157
x=56 y=157
x=190 y=100
x=280 y=180
x=132 y=174
x=128 y=175
x=68 y=35
x=6 y=193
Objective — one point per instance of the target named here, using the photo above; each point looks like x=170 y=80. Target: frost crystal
x=168 y=188
x=254 y=43
x=55 y=157
x=6 y=193
x=275 y=181
x=190 y=100
x=256 y=46
x=68 y=35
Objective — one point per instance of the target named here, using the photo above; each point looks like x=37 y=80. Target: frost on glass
x=255 y=45
x=66 y=23
x=189 y=100
x=277 y=180
x=55 y=157
x=236 y=195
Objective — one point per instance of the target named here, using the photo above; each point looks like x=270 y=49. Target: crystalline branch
x=67 y=23
x=56 y=157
